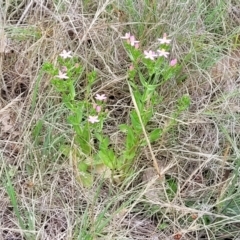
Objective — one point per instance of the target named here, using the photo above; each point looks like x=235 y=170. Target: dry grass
x=199 y=197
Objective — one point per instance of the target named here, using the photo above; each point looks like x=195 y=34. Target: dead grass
x=199 y=197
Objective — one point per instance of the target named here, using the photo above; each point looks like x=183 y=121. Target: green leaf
x=98 y=136
x=159 y=65
x=155 y=134
x=72 y=92
x=146 y=116
x=168 y=74
x=86 y=179
x=104 y=143
x=163 y=226
x=123 y=127
x=82 y=167
x=83 y=144
x=132 y=74
x=48 y=67
x=150 y=66
x=108 y=157
x=130 y=154
x=183 y=103
x=78 y=129
x=72 y=119
x=148 y=92
x=133 y=53
x=65 y=149
x=137 y=95
x=131 y=139
x=142 y=80
x=79 y=111
x=172 y=187
x=135 y=121
x=92 y=77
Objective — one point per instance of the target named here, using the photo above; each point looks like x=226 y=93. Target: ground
x=196 y=196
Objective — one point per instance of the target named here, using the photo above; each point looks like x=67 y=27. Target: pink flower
x=100 y=97
x=164 y=39
x=151 y=55
x=93 y=119
x=173 y=62
x=62 y=75
x=131 y=67
x=163 y=53
x=63 y=69
x=136 y=45
x=98 y=109
x=65 y=54
x=127 y=36
x=133 y=41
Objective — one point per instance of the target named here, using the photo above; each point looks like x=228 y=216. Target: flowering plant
x=150 y=68
x=148 y=71
x=86 y=116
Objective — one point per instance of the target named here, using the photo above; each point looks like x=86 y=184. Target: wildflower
x=164 y=39
x=93 y=119
x=136 y=45
x=63 y=69
x=131 y=67
x=100 y=97
x=62 y=75
x=173 y=62
x=151 y=55
x=65 y=54
x=127 y=36
x=163 y=53
x=98 y=109
x=133 y=41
